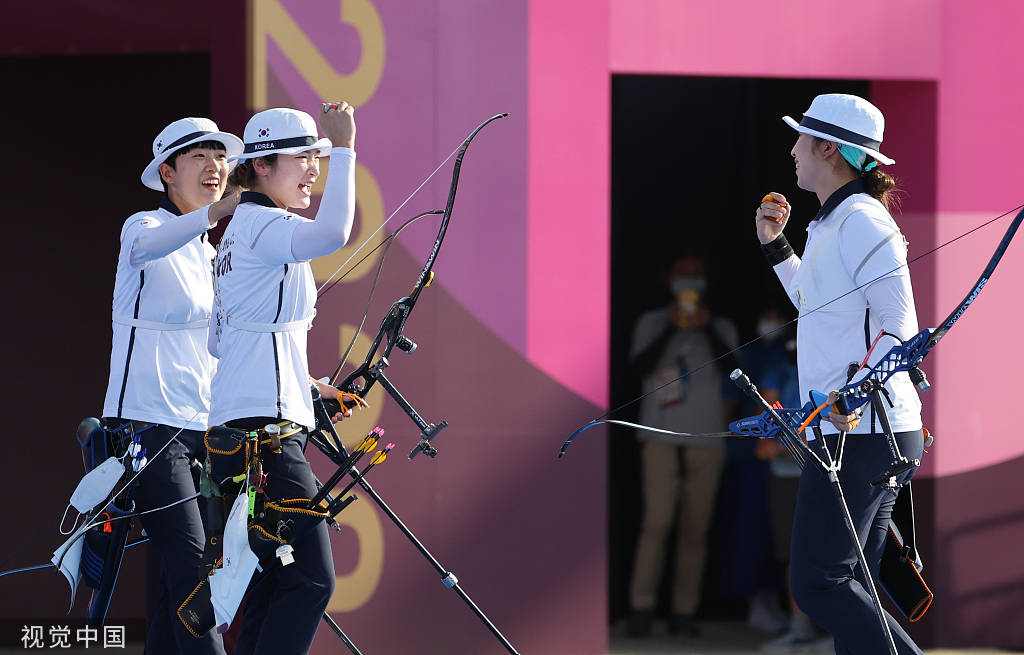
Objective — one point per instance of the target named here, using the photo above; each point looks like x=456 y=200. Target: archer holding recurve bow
x=264 y=304
x=852 y=241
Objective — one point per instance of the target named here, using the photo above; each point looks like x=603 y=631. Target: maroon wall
x=86 y=90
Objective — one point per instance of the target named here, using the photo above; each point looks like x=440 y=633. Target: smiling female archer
x=265 y=295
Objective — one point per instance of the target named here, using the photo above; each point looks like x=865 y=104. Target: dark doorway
x=691 y=159
x=78 y=133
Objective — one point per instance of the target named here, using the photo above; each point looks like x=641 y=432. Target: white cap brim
x=324 y=145
x=882 y=159
x=232 y=145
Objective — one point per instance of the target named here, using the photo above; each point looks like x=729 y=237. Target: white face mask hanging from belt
x=94 y=488
x=228 y=583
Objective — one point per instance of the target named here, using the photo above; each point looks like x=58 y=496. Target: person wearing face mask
x=851 y=283
x=265 y=296
x=160 y=370
x=680 y=483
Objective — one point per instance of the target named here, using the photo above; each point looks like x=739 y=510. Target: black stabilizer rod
x=448 y=578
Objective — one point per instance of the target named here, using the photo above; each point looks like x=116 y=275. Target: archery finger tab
x=344 y=396
x=770 y=197
x=781 y=203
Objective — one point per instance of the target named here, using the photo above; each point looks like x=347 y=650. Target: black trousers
x=825 y=577
x=284 y=604
x=176 y=536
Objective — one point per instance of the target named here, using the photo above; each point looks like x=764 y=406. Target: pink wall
x=979 y=135
x=568 y=195
x=871 y=39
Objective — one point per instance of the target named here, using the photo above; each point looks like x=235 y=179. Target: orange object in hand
x=770 y=198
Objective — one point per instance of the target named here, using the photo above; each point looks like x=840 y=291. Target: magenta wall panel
x=869 y=39
x=568 y=210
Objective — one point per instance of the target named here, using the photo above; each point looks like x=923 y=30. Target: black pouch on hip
x=900 y=573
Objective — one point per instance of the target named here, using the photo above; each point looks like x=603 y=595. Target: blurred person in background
x=680 y=482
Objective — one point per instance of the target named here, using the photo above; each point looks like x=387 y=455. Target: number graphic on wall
x=369 y=216
x=270 y=20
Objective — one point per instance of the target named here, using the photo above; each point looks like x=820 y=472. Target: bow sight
x=391 y=331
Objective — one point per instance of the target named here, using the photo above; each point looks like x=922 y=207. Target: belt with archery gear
x=247 y=530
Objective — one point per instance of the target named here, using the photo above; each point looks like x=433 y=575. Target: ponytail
x=244 y=175
x=881 y=186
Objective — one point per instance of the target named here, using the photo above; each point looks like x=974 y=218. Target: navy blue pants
x=825 y=576
x=176 y=536
x=284 y=604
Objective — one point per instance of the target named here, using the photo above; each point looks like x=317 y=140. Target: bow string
x=904 y=357
x=390 y=333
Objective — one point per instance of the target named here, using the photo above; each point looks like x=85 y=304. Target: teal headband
x=856 y=157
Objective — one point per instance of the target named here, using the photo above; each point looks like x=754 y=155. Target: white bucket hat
x=180 y=134
x=845 y=119
x=284 y=131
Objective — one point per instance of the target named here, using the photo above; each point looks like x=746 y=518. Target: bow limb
x=426 y=274
x=990 y=268
x=640 y=426
x=390 y=332
x=907 y=356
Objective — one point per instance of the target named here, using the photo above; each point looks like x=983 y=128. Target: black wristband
x=778 y=250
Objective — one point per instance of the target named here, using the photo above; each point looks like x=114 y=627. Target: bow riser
x=901 y=358
x=763 y=426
